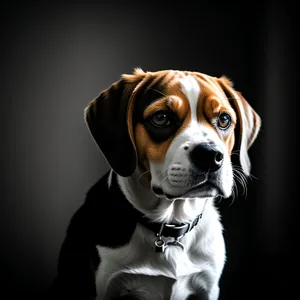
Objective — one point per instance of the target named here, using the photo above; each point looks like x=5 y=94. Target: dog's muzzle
x=199 y=178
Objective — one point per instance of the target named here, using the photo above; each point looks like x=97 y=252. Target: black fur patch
x=107 y=219
x=147 y=96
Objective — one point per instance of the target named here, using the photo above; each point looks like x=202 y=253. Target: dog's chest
x=139 y=257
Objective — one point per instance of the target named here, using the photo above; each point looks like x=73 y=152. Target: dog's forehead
x=192 y=87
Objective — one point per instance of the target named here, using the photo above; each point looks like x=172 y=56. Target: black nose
x=206 y=157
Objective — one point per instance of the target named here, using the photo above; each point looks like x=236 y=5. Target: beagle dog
x=149 y=229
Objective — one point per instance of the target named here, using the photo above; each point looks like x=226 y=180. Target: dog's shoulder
x=106 y=218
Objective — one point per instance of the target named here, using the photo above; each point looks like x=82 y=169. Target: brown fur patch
x=147 y=150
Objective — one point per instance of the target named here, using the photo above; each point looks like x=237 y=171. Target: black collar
x=169 y=230
x=175 y=231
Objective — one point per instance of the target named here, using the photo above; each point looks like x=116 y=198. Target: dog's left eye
x=224 y=121
x=160 y=118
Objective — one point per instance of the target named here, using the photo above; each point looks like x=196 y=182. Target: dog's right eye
x=160 y=118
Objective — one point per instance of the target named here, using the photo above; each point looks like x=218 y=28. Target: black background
x=55 y=58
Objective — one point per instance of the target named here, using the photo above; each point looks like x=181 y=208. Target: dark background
x=55 y=58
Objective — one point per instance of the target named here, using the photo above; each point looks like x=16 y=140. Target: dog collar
x=170 y=230
x=175 y=231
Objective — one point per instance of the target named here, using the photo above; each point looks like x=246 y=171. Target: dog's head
x=182 y=127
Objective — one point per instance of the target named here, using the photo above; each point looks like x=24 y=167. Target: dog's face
x=179 y=128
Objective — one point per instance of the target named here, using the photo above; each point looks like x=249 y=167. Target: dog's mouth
x=203 y=190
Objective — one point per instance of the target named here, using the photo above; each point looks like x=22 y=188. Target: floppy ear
x=248 y=126
x=110 y=123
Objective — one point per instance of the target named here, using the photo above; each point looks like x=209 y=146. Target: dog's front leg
x=197 y=286
x=181 y=289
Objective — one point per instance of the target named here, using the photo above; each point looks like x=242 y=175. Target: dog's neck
x=160 y=209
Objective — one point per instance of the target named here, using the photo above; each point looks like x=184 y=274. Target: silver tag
x=160 y=245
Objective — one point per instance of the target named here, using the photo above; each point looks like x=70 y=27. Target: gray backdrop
x=58 y=57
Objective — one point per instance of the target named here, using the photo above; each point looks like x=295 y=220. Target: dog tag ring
x=160 y=245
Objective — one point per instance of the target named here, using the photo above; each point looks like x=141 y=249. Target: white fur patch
x=191 y=89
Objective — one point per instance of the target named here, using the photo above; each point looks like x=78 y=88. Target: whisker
x=162 y=171
x=219 y=200
x=236 y=152
x=144 y=173
x=239 y=176
x=234 y=193
x=162 y=181
x=250 y=176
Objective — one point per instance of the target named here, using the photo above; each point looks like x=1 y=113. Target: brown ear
x=249 y=123
x=110 y=124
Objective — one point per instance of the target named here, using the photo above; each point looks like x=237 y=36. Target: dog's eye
x=224 y=121
x=160 y=118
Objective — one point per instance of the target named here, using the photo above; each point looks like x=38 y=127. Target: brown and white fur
x=151 y=127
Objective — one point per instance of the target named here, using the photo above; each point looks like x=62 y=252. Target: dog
x=149 y=229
